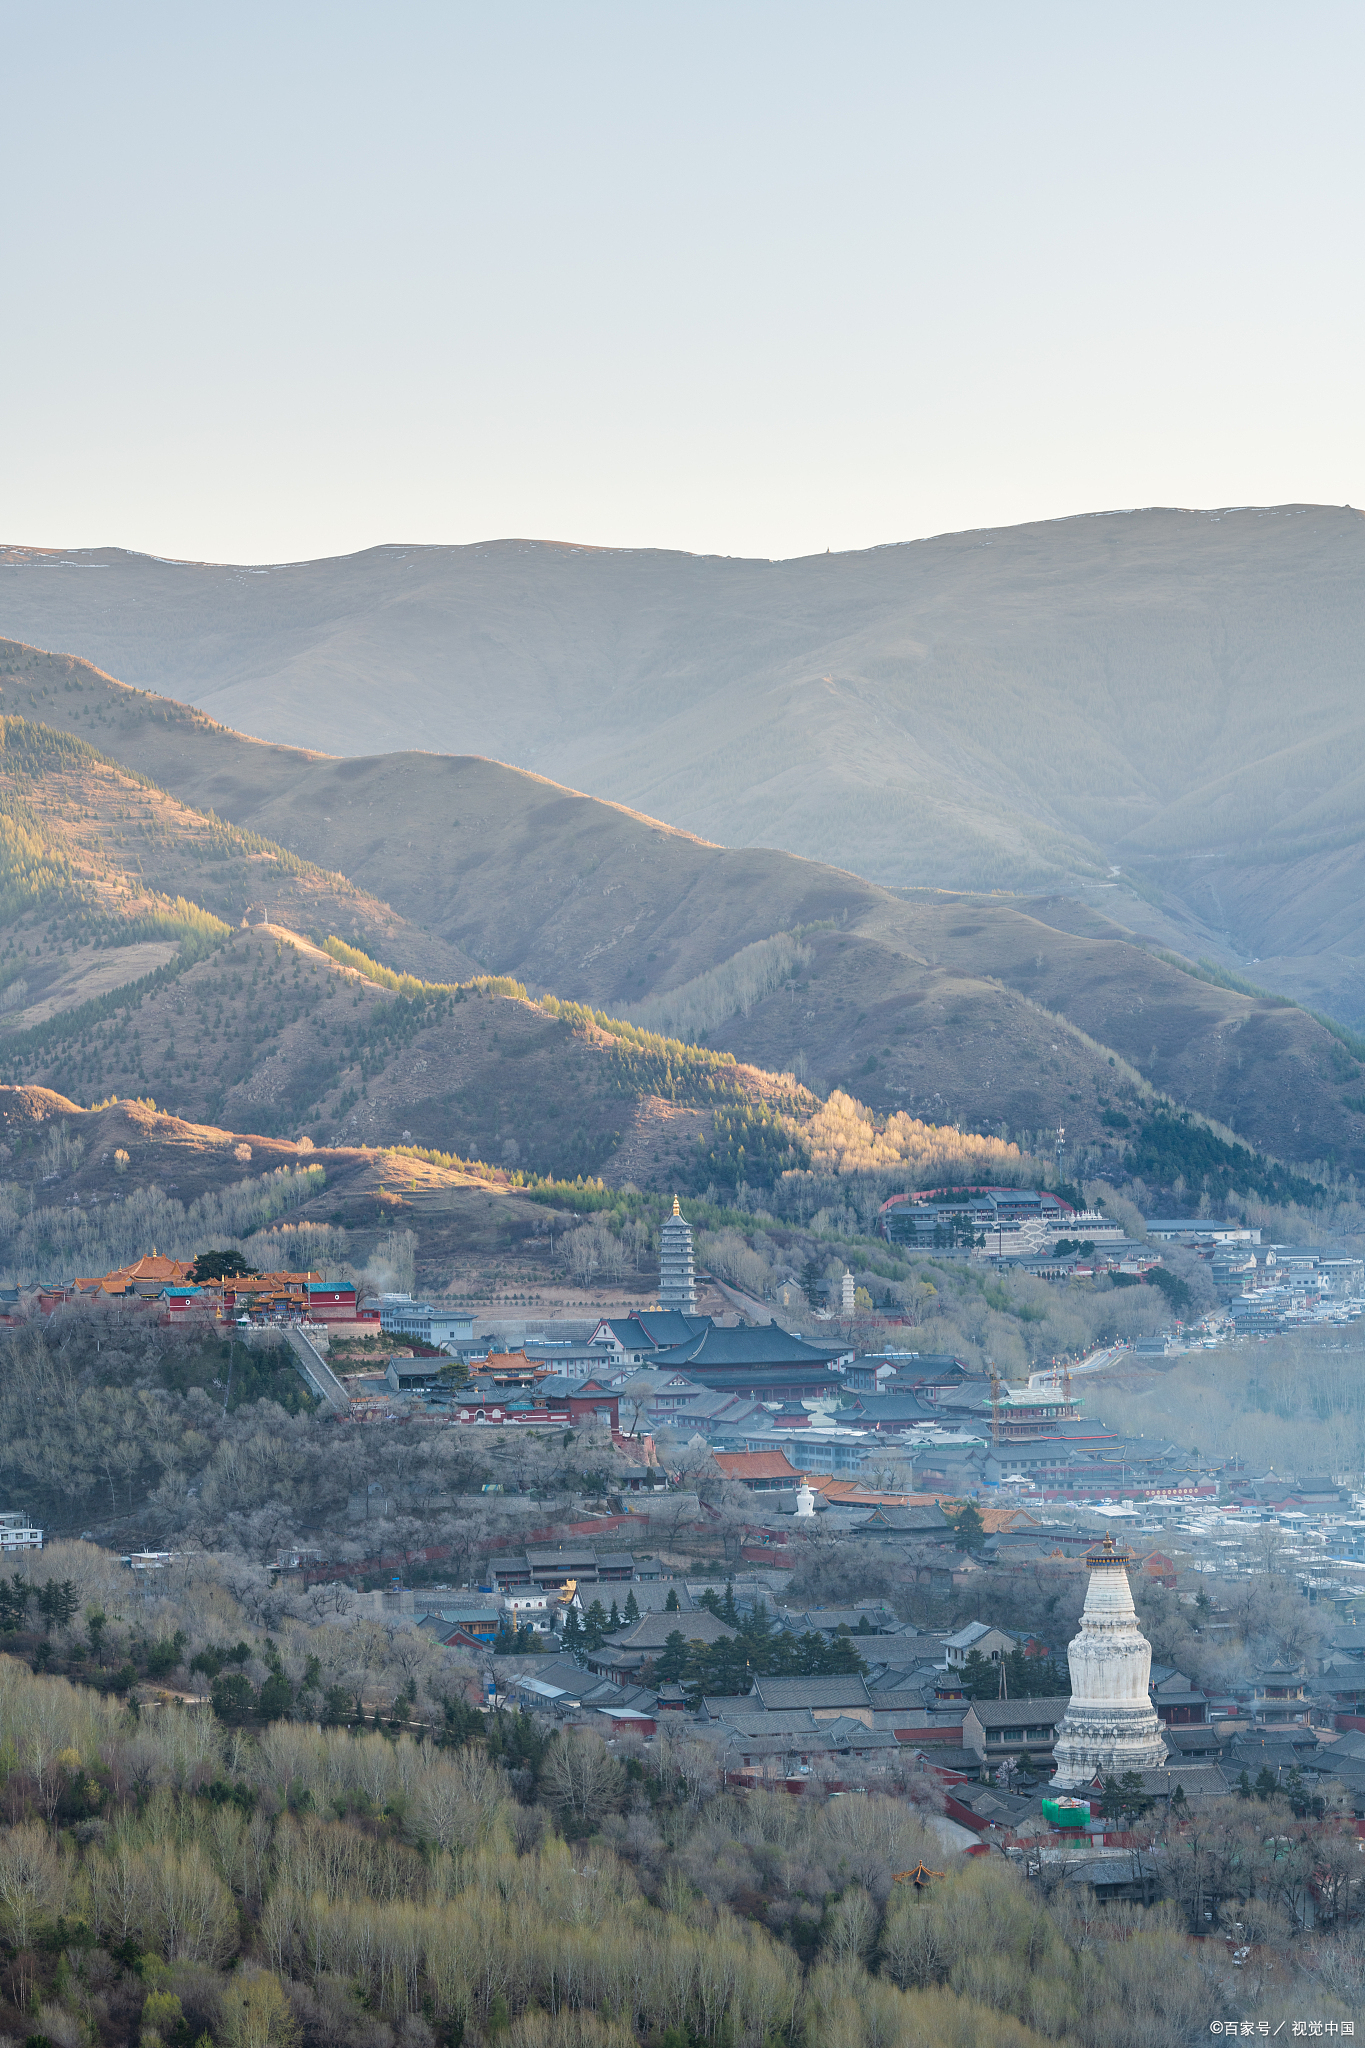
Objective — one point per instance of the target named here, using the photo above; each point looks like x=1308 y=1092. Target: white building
x=18 y=1533
x=529 y=1609
x=991 y=1643
x=401 y=1316
x=1111 y=1725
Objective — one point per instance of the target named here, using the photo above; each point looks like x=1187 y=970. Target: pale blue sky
x=290 y=280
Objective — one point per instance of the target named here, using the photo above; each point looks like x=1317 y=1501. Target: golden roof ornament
x=1108 y=1555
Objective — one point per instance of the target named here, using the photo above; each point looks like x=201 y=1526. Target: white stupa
x=1111 y=1725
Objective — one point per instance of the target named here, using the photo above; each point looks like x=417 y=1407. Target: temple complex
x=1111 y=1725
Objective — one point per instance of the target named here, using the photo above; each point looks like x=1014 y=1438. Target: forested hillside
x=975 y=1011
x=509 y=1882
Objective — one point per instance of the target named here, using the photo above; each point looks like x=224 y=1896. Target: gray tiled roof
x=1196 y=1735
x=1197 y=1781
x=768 y=1344
x=812 y=1692
x=739 y=1715
x=651 y=1631
x=847 y=1733
x=1021 y=1713
x=887 y=1699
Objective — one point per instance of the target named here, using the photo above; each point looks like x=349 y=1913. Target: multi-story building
x=332 y=1301
x=1278 y=1696
x=18 y=1533
x=945 y=1217
x=677 y=1278
x=401 y=1316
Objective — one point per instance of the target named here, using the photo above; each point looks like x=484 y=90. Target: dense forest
x=167 y=1877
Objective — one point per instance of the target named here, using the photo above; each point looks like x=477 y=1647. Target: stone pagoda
x=1111 y=1725
x=677 y=1281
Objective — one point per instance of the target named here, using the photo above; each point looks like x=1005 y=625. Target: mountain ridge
x=954 y=1009
x=1169 y=693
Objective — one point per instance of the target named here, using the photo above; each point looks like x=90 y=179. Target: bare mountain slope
x=1173 y=693
x=936 y=1003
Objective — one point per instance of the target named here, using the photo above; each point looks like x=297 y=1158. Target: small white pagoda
x=677 y=1277
x=1111 y=1725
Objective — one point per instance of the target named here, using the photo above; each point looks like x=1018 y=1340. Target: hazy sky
x=747 y=279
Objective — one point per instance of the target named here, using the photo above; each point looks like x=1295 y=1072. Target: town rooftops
x=417 y=1372
x=752 y=1468
x=651 y=1330
x=938 y=1370
x=927 y=1520
x=829 y=1620
x=1192 y=1738
x=562 y=1559
x=819 y=1694
x=1281 y=1672
x=1037 y=1713
x=740 y=1714
x=651 y=1595
x=894 y=1698
x=588 y=1566
x=1196 y=1781
x=894 y=1409
x=718 y=1349
x=852 y=1493
x=652 y=1631
x=964 y=1638
x=148 y=1273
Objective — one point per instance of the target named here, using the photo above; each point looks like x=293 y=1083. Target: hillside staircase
x=317 y=1373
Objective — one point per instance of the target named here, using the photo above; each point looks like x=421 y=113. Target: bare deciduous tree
x=583 y=1777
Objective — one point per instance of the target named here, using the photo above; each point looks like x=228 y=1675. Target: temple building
x=677 y=1281
x=1111 y=1725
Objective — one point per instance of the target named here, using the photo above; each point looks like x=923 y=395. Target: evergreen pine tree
x=672 y=1660
x=632 y=1607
